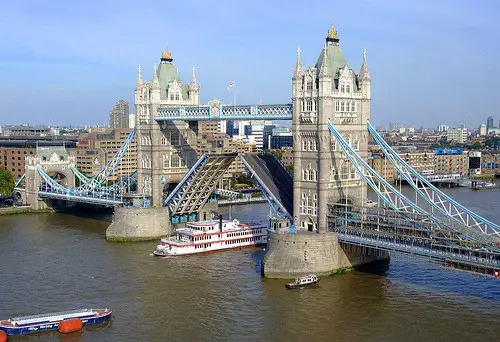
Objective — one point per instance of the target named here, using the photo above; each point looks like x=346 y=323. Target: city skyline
x=427 y=60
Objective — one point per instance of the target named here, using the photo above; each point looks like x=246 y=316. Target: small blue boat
x=50 y=321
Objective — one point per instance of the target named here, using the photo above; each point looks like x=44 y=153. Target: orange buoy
x=70 y=325
x=3 y=336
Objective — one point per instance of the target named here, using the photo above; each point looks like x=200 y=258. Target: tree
x=7 y=182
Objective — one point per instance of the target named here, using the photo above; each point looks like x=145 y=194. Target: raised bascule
x=320 y=218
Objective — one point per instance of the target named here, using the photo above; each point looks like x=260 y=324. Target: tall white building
x=442 y=128
x=457 y=135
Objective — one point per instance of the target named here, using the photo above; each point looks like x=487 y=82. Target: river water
x=55 y=262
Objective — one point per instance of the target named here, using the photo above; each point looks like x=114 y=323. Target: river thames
x=56 y=262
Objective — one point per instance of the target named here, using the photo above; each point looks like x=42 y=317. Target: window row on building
x=345 y=106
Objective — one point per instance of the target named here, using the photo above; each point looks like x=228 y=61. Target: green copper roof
x=335 y=59
x=167 y=72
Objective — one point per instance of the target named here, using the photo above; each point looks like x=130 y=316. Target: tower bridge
x=325 y=198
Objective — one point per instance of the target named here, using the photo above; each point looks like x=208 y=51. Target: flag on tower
x=230 y=85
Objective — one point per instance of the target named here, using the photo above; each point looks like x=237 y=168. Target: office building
x=95 y=150
x=119 y=116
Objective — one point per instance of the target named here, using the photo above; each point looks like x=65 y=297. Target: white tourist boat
x=213 y=235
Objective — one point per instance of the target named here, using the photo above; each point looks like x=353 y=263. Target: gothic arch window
x=348 y=88
x=309 y=105
x=175 y=161
x=166 y=161
x=337 y=106
x=342 y=108
x=353 y=106
x=303 y=145
x=163 y=140
x=333 y=144
x=177 y=97
x=309 y=145
x=342 y=89
x=309 y=85
x=344 y=171
x=315 y=105
x=175 y=138
x=171 y=96
x=314 y=145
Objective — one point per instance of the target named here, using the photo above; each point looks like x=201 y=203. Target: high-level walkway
x=274 y=176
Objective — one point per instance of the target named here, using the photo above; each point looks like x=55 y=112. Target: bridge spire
x=139 y=78
x=194 y=84
x=364 y=74
x=156 y=82
x=324 y=63
x=298 y=65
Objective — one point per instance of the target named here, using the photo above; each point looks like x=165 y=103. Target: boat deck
x=52 y=317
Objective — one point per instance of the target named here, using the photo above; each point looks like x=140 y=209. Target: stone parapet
x=139 y=224
x=292 y=255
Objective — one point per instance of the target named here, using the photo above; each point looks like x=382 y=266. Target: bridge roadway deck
x=90 y=199
x=275 y=177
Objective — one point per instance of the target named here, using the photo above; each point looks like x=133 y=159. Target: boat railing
x=57 y=316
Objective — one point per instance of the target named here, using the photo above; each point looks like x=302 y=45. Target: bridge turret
x=297 y=76
x=325 y=77
x=365 y=78
x=194 y=88
x=155 y=87
x=139 y=83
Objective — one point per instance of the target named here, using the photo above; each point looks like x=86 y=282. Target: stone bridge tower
x=164 y=151
x=330 y=90
x=52 y=160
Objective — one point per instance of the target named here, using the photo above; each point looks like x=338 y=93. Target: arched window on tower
x=337 y=106
x=342 y=108
x=348 y=88
x=353 y=106
x=309 y=105
x=342 y=89
x=175 y=161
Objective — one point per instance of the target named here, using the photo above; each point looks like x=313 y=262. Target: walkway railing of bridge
x=217 y=111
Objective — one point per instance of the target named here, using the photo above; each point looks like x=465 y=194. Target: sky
x=68 y=62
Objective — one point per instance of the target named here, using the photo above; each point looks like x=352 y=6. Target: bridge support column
x=292 y=255
x=139 y=224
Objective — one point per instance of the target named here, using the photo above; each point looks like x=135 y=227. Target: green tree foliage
x=7 y=182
